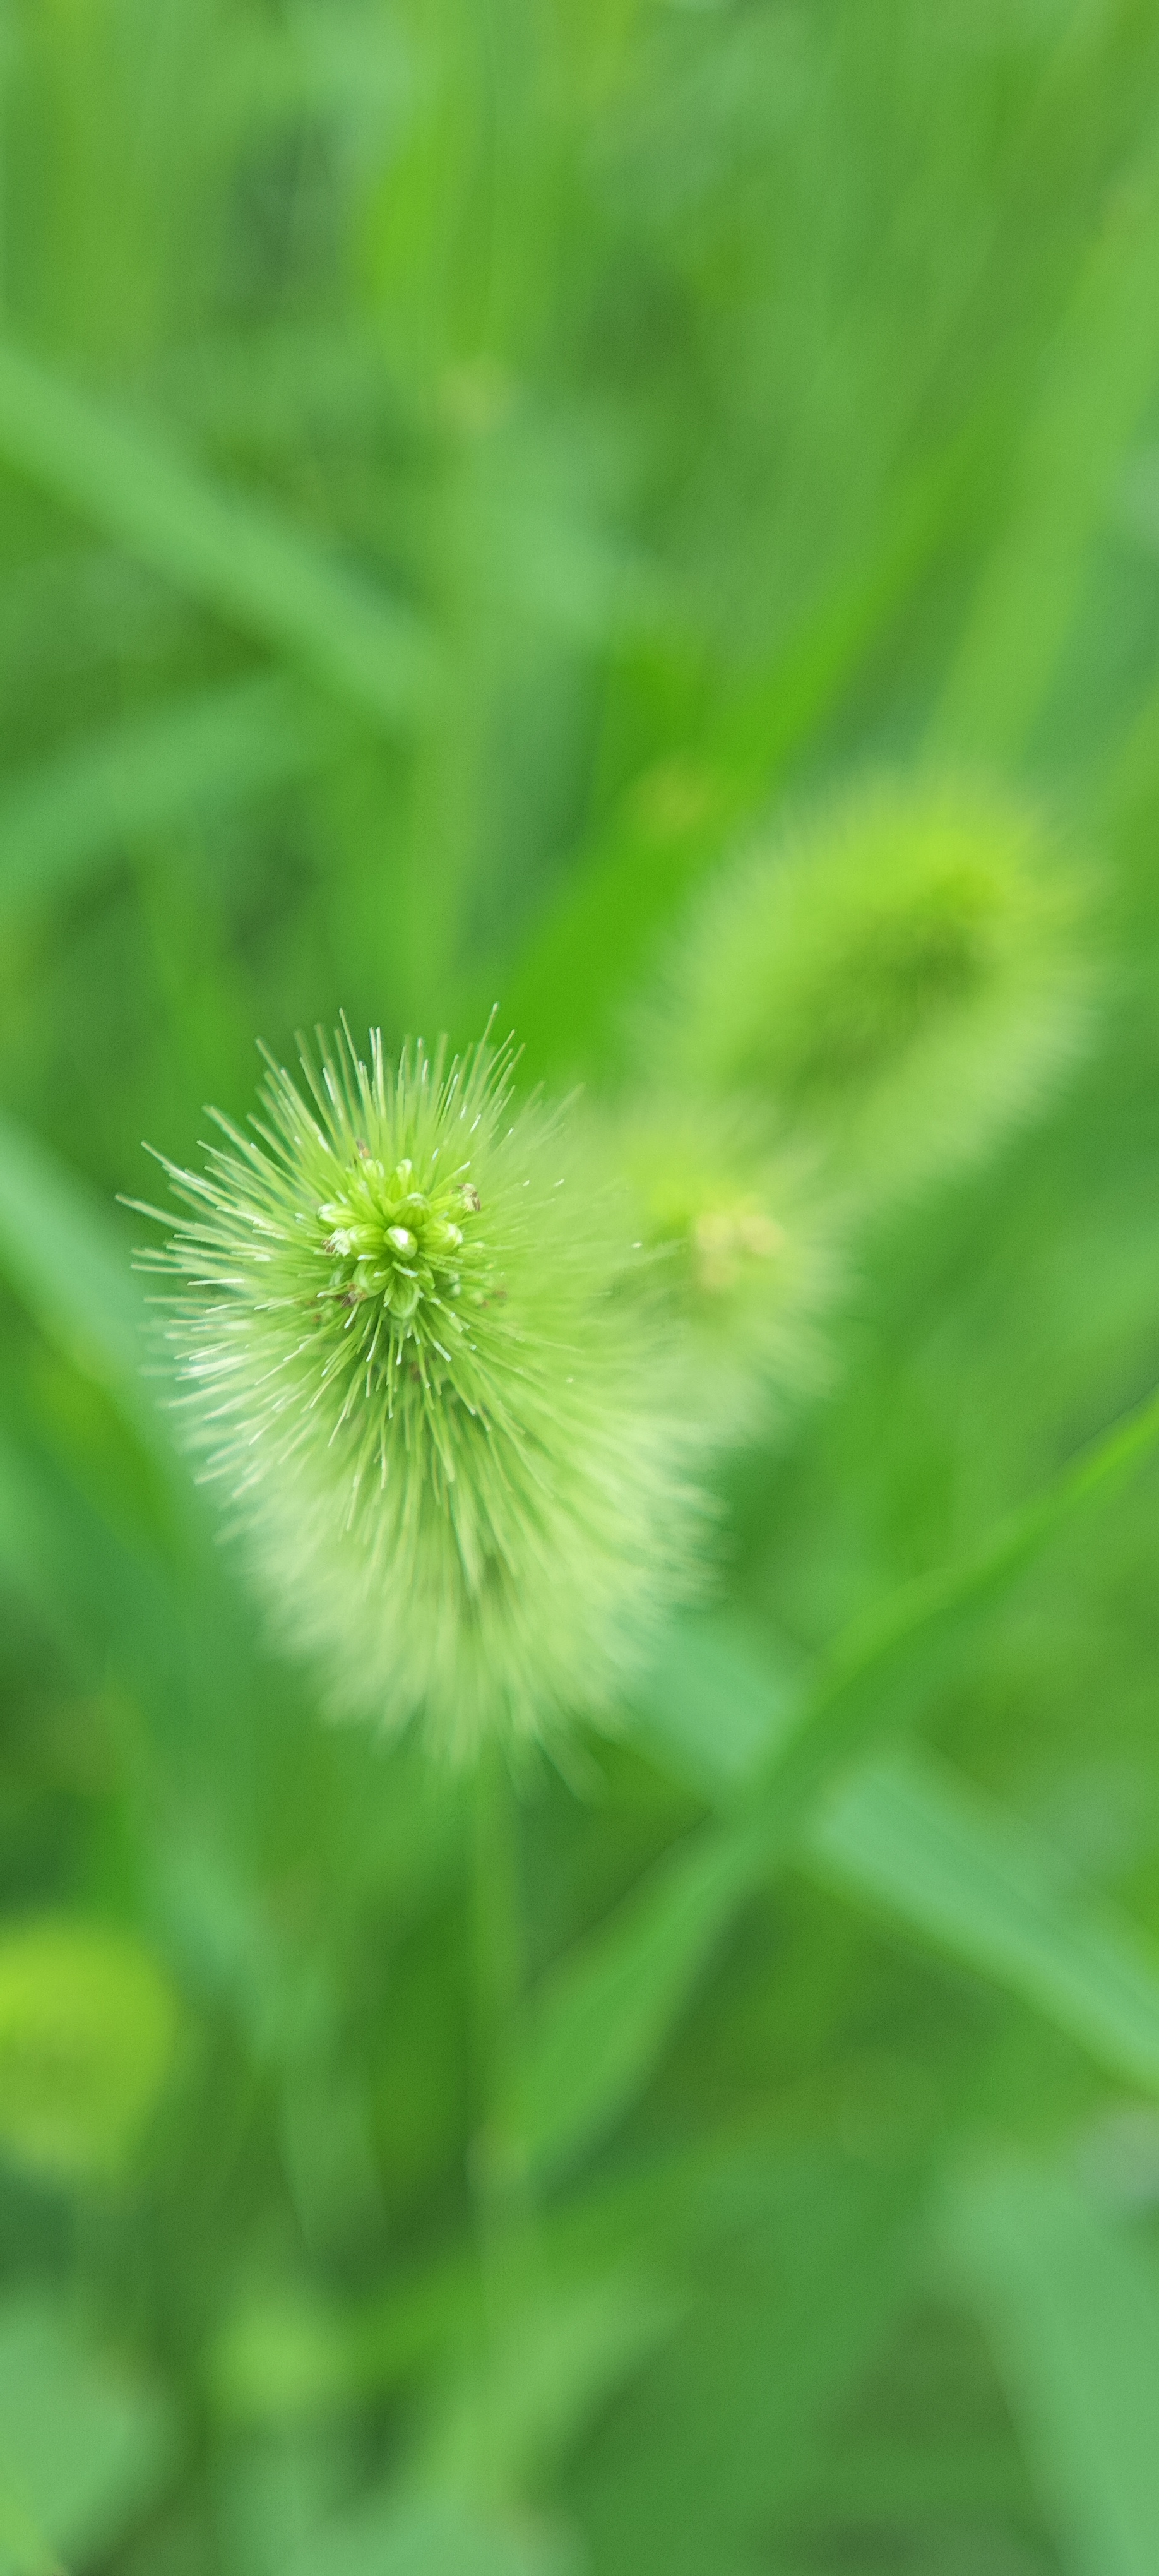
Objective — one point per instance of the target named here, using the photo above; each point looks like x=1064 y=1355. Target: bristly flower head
x=407 y=1346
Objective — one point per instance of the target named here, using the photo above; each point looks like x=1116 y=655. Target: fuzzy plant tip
x=409 y=1344
x=900 y=976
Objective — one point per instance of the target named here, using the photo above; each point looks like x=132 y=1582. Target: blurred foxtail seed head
x=897 y=978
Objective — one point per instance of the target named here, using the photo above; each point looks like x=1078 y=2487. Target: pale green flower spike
x=749 y=1252
x=897 y=977
x=409 y=1345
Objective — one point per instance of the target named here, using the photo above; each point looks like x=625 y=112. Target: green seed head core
x=399 y=1251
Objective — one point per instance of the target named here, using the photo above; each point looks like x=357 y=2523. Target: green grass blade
x=903 y=1833
x=945 y=1863
x=86 y=2448
x=235 y=555
x=1074 y=2318
x=204 y=754
x=32 y=1553
x=551 y=2365
x=24 y=2550
x=1101 y=378
x=428 y=2533
x=69 y=1263
x=884 y=1668
x=583 y=958
x=719 y=1695
x=598 y=2025
x=600 y=2021
x=796 y=2289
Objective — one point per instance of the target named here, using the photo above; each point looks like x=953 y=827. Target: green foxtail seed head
x=409 y=1346
x=747 y=1252
x=897 y=977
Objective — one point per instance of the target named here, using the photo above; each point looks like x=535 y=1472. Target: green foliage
x=86 y=2444
x=235 y=556
x=139 y=777
x=595 y=2035
x=641 y=517
x=63 y=1257
x=435 y=2537
x=87 y=2038
x=1075 y=2312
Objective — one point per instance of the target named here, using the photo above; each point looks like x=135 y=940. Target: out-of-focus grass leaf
x=583 y=959
x=1098 y=380
x=597 y=2025
x=600 y=2020
x=552 y=2359
x=85 y=2446
x=724 y=2429
x=204 y=755
x=434 y=2535
x=28 y=1543
x=869 y=2479
x=1141 y=501
x=760 y=2353
x=69 y=1263
x=285 y=2356
x=951 y=1867
x=906 y=1834
x=563 y=2339
x=1073 y=2312
x=281 y=2358
x=717 y=1697
x=88 y=2032
x=24 y=2549
x=232 y=553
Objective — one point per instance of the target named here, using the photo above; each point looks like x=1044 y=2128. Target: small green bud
x=407 y=1346
x=898 y=977
x=745 y=1250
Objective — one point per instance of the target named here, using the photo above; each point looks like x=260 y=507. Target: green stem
x=498 y=2165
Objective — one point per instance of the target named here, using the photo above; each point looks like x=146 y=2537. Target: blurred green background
x=462 y=467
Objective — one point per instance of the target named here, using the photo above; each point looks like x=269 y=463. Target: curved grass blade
x=1073 y=2313
x=600 y=2021
x=66 y=1260
x=1101 y=379
x=584 y=957
x=434 y=2533
x=885 y=1667
x=86 y=2448
x=906 y=1835
x=945 y=1863
x=796 y=2289
x=598 y=2025
x=31 y=1550
x=204 y=754
x=24 y=2550
x=235 y=555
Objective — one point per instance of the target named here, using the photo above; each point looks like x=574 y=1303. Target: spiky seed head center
x=398 y=1252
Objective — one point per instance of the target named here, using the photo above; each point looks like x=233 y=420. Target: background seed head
x=412 y=1346
x=897 y=978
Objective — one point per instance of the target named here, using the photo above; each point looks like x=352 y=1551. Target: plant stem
x=498 y=2166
